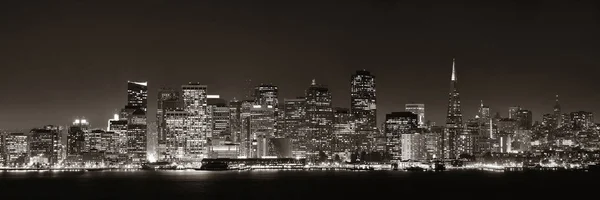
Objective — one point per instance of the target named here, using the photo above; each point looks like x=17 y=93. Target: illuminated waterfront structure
x=397 y=124
x=419 y=110
x=319 y=115
x=195 y=102
x=413 y=146
x=363 y=101
x=454 y=123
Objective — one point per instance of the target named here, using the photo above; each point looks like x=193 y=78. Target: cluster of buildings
x=191 y=124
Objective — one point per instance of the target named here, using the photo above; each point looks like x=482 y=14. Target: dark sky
x=63 y=59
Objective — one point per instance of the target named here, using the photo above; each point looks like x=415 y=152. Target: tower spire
x=453 y=69
x=314 y=82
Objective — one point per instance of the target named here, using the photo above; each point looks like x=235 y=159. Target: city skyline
x=91 y=54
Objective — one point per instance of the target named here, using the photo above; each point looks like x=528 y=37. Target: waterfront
x=274 y=184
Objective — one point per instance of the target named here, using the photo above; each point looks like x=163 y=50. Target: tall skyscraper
x=294 y=123
x=267 y=95
x=363 y=100
x=76 y=137
x=219 y=117
x=134 y=114
x=557 y=113
x=168 y=100
x=235 y=120
x=419 y=110
x=195 y=102
x=319 y=114
x=397 y=124
x=454 y=123
x=137 y=95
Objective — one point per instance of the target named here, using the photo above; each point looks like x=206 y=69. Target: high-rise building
x=343 y=130
x=261 y=127
x=294 y=124
x=557 y=114
x=93 y=141
x=319 y=115
x=176 y=134
x=484 y=112
x=396 y=124
x=419 y=110
x=267 y=95
x=168 y=100
x=524 y=119
x=16 y=147
x=137 y=137
x=582 y=120
x=363 y=100
x=235 y=120
x=454 y=123
x=413 y=146
x=44 y=145
x=76 y=137
x=513 y=111
x=137 y=95
x=195 y=102
x=219 y=114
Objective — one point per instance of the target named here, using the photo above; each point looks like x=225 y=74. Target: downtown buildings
x=192 y=124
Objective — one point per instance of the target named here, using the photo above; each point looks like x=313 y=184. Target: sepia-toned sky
x=63 y=59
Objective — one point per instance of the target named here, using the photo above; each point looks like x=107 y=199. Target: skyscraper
x=397 y=124
x=557 y=113
x=267 y=95
x=168 y=100
x=419 y=110
x=319 y=114
x=137 y=95
x=454 y=123
x=363 y=100
x=76 y=137
x=219 y=113
x=195 y=102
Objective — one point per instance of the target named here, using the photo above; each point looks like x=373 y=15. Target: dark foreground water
x=298 y=185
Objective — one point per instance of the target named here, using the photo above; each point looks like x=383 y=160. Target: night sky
x=63 y=59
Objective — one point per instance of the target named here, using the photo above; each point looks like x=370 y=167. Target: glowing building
x=419 y=110
x=195 y=102
x=319 y=115
x=397 y=124
x=363 y=101
x=454 y=123
x=76 y=137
